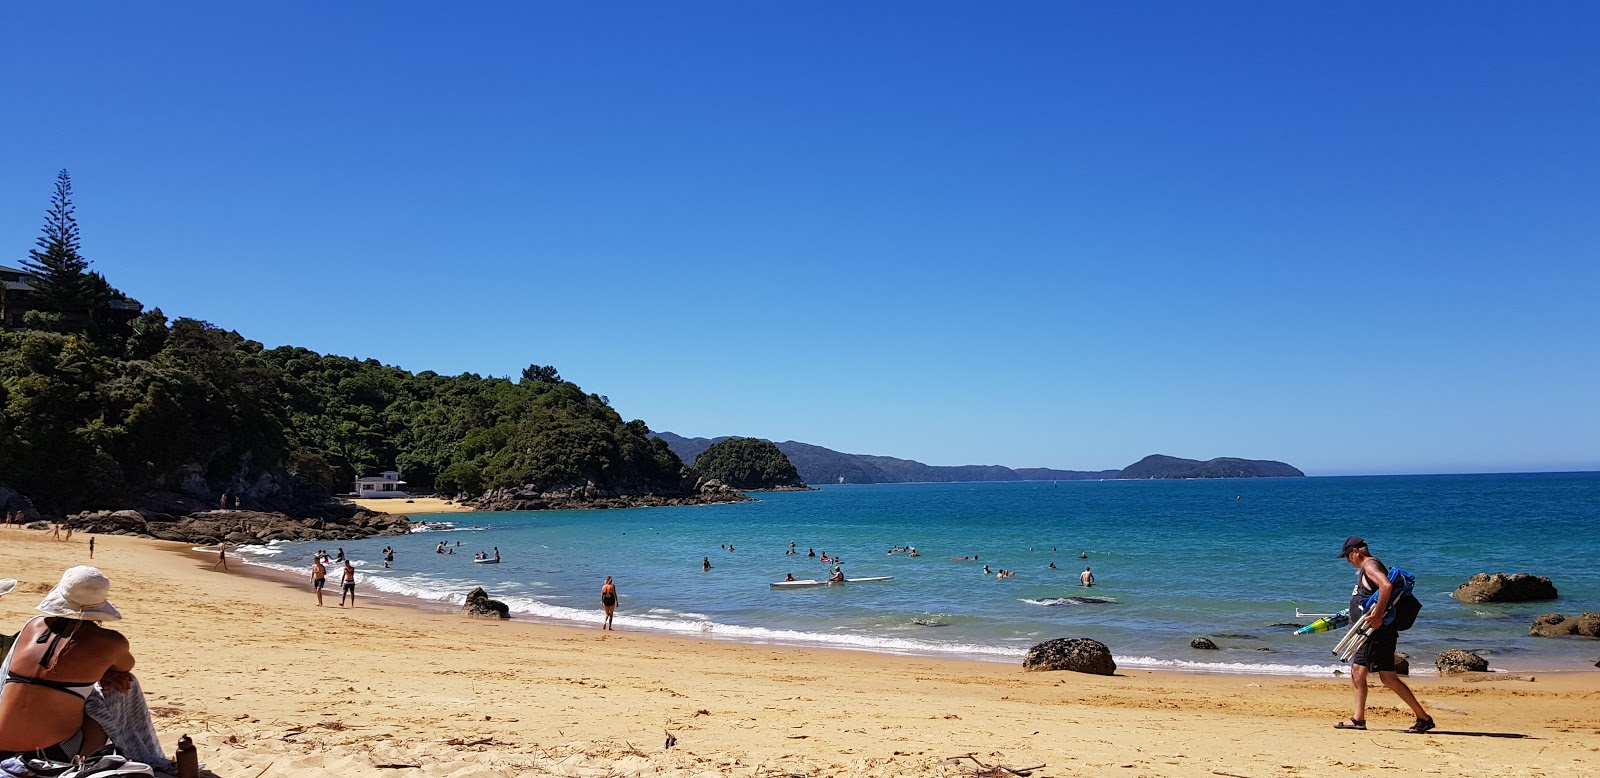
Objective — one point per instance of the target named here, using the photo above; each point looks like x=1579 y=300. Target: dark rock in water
x=1080 y=655
x=1203 y=643
x=1456 y=661
x=1290 y=624
x=929 y=623
x=479 y=604
x=1500 y=587
x=1402 y=664
x=1552 y=625
x=1235 y=636
x=1264 y=648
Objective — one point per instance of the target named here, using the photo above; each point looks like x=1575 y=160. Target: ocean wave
x=1249 y=668
x=1054 y=601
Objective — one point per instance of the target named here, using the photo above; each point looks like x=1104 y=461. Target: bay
x=1172 y=559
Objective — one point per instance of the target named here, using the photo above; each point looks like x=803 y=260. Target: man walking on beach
x=1377 y=654
x=222 y=556
x=319 y=576
x=349 y=580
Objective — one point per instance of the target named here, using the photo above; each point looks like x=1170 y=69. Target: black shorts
x=1377 y=654
x=350 y=586
x=316 y=583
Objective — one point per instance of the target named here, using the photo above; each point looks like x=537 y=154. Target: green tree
x=62 y=282
x=544 y=374
x=747 y=463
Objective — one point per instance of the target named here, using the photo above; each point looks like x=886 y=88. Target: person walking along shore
x=608 y=600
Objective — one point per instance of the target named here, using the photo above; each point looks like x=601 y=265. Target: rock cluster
x=209 y=527
x=1402 y=664
x=1556 y=625
x=479 y=605
x=1203 y=643
x=1080 y=655
x=1500 y=587
x=1457 y=661
x=532 y=497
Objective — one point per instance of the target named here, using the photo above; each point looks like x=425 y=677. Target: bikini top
x=77 y=689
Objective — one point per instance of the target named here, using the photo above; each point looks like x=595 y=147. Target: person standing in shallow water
x=705 y=564
x=1086 y=578
x=608 y=600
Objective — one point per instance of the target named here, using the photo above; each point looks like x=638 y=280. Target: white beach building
x=385 y=484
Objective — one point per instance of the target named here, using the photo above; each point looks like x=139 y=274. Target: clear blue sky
x=1355 y=237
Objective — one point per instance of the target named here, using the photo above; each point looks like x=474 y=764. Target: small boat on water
x=811 y=582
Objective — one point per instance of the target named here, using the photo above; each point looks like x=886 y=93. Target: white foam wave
x=1249 y=668
x=443 y=526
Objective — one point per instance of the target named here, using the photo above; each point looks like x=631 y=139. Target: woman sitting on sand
x=68 y=681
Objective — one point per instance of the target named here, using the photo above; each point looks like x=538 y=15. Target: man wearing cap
x=67 y=686
x=1377 y=654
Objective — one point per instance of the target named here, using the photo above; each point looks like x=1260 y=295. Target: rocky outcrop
x=1402 y=664
x=1505 y=588
x=480 y=606
x=209 y=527
x=1203 y=643
x=12 y=501
x=1080 y=655
x=1552 y=625
x=1456 y=661
x=588 y=495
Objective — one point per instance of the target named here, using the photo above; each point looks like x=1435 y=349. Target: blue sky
x=1353 y=237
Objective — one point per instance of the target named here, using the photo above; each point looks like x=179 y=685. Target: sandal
x=1353 y=724
x=1422 y=725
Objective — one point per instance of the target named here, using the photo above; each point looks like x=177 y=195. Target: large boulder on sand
x=1505 y=588
x=1457 y=661
x=1552 y=625
x=479 y=604
x=1080 y=655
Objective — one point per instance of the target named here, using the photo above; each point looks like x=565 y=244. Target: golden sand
x=268 y=684
x=417 y=505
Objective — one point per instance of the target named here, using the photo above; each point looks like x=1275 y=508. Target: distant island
x=818 y=465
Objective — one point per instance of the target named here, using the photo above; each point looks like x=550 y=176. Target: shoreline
x=1422 y=666
x=270 y=685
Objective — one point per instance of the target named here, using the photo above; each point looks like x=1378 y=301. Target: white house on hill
x=385 y=484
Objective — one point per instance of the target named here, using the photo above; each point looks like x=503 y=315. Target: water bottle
x=188 y=758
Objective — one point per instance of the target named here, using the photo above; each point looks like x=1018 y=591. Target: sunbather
x=46 y=706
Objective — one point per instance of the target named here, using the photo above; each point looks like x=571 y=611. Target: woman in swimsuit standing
x=608 y=600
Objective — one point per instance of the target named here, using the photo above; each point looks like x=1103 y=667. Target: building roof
x=373 y=479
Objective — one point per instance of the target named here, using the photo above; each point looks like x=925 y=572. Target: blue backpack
x=1403 y=604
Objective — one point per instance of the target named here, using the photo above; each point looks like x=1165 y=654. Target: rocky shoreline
x=589 y=496
x=239 y=526
x=178 y=517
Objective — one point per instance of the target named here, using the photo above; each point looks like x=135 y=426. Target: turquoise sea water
x=1175 y=559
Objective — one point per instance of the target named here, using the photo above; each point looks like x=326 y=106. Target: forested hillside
x=102 y=406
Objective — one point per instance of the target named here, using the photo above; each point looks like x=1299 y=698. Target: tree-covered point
x=103 y=413
x=747 y=463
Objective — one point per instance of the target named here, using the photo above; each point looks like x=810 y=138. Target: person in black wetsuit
x=1377 y=655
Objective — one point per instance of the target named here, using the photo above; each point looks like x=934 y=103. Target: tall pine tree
x=62 y=282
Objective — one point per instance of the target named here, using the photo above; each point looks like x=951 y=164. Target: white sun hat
x=6 y=585
x=80 y=595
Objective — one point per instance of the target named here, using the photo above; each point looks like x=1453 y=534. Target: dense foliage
x=747 y=463
x=189 y=407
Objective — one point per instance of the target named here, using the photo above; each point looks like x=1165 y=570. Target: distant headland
x=818 y=465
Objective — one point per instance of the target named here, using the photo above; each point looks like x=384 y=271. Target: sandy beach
x=270 y=685
x=417 y=505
